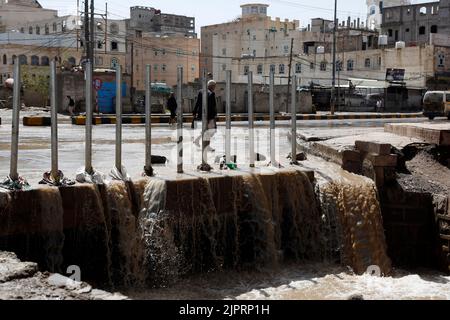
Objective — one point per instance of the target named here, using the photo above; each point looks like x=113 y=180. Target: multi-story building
x=375 y=11
x=416 y=24
x=164 y=54
x=146 y=19
x=257 y=43
x=13 y=12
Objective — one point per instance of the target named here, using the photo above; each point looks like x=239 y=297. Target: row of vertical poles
x=14 y=176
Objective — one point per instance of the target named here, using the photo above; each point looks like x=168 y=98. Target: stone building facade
x=16 y=11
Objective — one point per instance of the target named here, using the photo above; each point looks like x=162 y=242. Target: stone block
x=372 y=147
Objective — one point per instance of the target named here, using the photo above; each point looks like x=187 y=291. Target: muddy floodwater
x=251 y=234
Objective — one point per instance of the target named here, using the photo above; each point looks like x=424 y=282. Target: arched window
x=72 y=61
x=323 y=66
x=47 y=29
x=13 y=59
x=350 y=64
x=422 y=30
x=434 y=29
x=34 y=60
x=38 y=30
x=30 y=30
x=259 y=69
x=55 y=28
x=45 y=61
x=281 y=69
x=367 y=63
x=5 y=59
x=23 y=59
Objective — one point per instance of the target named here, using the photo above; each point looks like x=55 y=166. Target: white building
x=375 y=8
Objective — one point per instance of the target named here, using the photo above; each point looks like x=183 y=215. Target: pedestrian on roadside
x=212 y=114
x=172 y=107
x=71 y=105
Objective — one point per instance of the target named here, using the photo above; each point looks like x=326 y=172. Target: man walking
x=172 y=107
x=211 y=115
x=71 y=105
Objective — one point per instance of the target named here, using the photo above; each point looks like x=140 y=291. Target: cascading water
x=359 y=227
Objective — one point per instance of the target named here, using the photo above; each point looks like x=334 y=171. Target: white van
x=436 y=104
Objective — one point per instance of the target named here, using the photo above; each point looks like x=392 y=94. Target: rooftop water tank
x=400 y=45
x=383 y=40
x=320 y=49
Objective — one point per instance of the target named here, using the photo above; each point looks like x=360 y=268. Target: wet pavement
x=34 y=145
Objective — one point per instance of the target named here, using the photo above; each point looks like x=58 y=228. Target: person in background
x=172 y=107
x=71 y=105
x=212 y=113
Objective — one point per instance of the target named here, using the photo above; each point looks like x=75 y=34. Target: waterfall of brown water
x=31 y=225
x=126 y=247
x=358 y=211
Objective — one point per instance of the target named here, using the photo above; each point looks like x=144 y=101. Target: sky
x=209 y=12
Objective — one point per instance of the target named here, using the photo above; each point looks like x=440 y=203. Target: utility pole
x=87 y=41
x=78 y=30
x=333 y=89
x=289 y=76
x=106 y=28
x=91 y=53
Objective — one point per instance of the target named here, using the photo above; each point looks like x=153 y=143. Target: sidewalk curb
x=81 y=120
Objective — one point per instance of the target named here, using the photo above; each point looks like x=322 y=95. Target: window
x=99 y=61
x=272 y=68
x=254 y=53
x=23 y=59
x=323 y=66
x=163 y=68
x=30 y=30
x=156 y=52
x=246 y=70
x=408 y=11
x=350 y=64
x=224 y=67
x=281 y=69
x=434 y=29
x=422 y=30
x=137 y=67
x=311 y=66
x=254 y=38
x=260 y=69
x=47 y=29
x=338 y=65
x=367 y=63
x=114 y=46
x=38 y=30
x=99 y=44
x=407 y=30
x=72 y=61
x=423 y=11
x=55 y=27
x=155 y=67
x=193 y=67
x=34 y=60
x=163 y=51
x=390 y=32
x=224 y=37
x=114 y=28
x=447 y=97
x=22 y=30
x=373 y=10
x=14 y=58
x=224 y=51
x=286 y=49
x=388 y=14
x=45 y=61
x=441 y=60
x=298 y=68
x=5 y=59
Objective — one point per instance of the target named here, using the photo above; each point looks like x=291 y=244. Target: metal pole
x=272 y=118
x=13 y=174
x=228 y=119
x=119 y=118
x=333 y=89
x=250 y=120
x=148 y=121
x=294 y=120
x=88 y=143
x=54 y=120
x=204 y=118
x=180 y=121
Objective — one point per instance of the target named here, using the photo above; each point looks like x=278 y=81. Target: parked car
x=436 y=104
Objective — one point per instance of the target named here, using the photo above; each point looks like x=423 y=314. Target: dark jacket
x=212 y=108
x=172 y=104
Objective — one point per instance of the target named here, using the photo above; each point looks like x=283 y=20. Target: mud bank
x=153 y=231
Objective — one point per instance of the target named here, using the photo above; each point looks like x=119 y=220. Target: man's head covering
x=211 y=83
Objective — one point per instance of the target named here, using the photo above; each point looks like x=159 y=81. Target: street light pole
x=333 y=89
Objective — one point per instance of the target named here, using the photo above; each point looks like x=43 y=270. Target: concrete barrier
x=162 y=119
x=37 y=121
